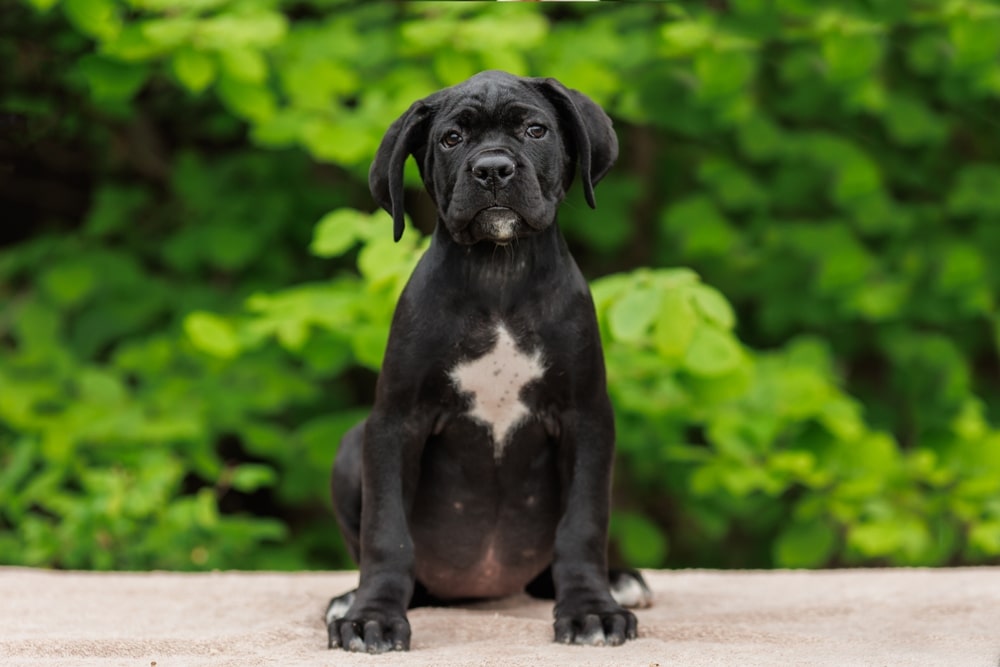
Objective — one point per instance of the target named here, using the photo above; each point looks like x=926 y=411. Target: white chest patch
x=495 y=381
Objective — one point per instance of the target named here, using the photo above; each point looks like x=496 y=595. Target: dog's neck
x=496 y=274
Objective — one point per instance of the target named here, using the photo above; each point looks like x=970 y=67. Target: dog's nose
x=493 y=170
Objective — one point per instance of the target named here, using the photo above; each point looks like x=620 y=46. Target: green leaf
x=340 y=230
x=850 y=57
x=293 y=334
x=132 y=45
x=101 y=387
x=641 y=542
x=712 y=306
x=250 y=477
x=114 y=208
x=962 y=267
x=381 y=260
x=168 y=33
x=452 y=67
x=911 y=122
x=805 y=545
x=800 y=466
x=43 y=6
x=96 y=18
x=250 y=101
x=703 y=228
x=684 y=37
x=856 y=179
x=205 y=509
x=340 y=140
x=631 y=316
x=315 y=85
x=985 y=537
x=903 y=539
x=326 y=353
x=592 y=227
x=112 y=80
x=881 y=301
x=69 y=283
x=257 y=29
x=971 y=195
x=760 y=139
x=368 y=342
x=976 y=40
x=723 y=73
x=733 y=186
x=36 y=325
x=675 y=324
x=18 y=463
x=928 y=53
x=499 y=33
x=193 y=69
x=245 y=64
x=842 y=417
x=279 y=131
x=712 y=353
x=211 y=334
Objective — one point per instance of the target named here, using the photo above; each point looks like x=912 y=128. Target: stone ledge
x=833 y=617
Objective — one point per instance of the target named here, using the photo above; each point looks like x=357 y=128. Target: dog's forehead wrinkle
x=476 y=110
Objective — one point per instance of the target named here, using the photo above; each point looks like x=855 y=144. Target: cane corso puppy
x=484 y=468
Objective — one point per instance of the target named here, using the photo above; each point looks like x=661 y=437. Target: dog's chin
x=497 y=224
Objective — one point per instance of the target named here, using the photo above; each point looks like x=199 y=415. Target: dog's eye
x=451 y=139
x=536 y=131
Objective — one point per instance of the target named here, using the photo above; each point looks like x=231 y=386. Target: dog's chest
x=494 y=382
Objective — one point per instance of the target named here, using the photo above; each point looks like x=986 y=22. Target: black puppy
x=485 y=466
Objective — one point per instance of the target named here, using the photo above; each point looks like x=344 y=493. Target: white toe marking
x=495 y=381
x=338 y=607
x=595 y=638
x=630 y=593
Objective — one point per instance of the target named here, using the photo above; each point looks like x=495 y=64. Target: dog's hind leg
x=345 y=482
x=628 y=587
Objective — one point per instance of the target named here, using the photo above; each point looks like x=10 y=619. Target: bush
x=817 y=387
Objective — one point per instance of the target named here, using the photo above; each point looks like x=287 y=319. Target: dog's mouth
x=498 y=224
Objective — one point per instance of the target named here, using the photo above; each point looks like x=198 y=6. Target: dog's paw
x=609 y=626
x=370 y=631
x=629 y=589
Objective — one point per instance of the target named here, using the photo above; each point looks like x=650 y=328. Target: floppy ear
x=405 y=137
x=590 y=129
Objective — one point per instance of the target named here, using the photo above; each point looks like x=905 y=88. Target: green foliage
x=183 y=344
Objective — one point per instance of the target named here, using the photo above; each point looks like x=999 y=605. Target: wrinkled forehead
x=501 y=100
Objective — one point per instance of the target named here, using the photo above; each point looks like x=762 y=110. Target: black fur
x=427 y=506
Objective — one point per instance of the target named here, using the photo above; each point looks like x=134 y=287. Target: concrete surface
x=844 y=617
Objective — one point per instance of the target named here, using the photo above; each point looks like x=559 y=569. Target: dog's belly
x=496 y=569
x=481 y=527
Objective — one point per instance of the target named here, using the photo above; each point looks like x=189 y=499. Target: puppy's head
x=496 y=153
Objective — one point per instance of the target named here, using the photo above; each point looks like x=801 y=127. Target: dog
x=484 y=468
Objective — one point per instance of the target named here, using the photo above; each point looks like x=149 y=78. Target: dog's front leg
x=585 y=612
x=376 y=621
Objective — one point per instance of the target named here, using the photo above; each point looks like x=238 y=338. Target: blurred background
x=795 y=265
